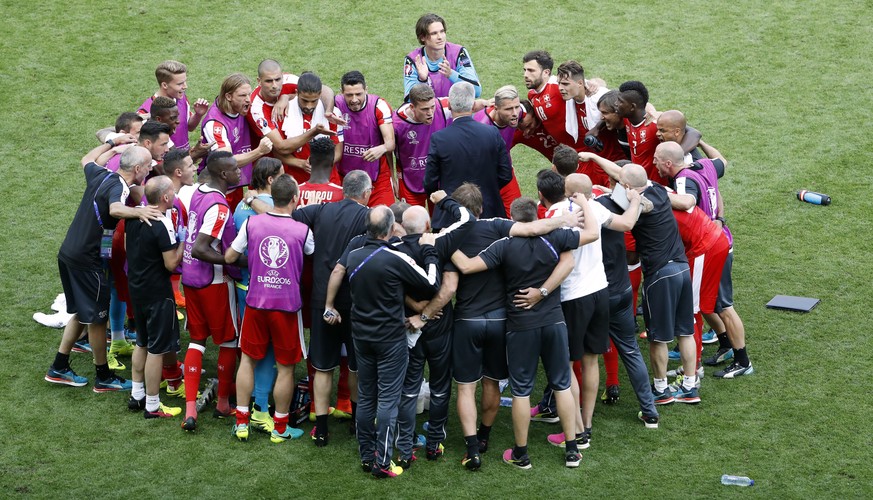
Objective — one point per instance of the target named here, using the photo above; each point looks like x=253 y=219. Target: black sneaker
x=367 y=466
x=472 y=462
x=522 y=462
x=583 y=442
x=190 y=424
x=135 y=404
x=538 y=415
x=320 y=440
x=435 y=453
x=651 y=421
x=405 y=464
x=735 y=370
x=572 y=459
x=483 y=445
x=721 y=355
x=663 y=398
x=610 y=395
x=390 y=470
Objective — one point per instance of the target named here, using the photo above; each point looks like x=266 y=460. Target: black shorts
x=87 y=293
x=524 y=350
x=157 y=326
x=479 y=348
x=668 y=303
x=726 y=286
x=326 y=341
x=587 y=320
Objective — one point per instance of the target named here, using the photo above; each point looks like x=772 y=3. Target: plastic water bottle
x=736 y=480
x=813 y=197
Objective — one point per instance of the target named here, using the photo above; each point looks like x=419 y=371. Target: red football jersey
x=539 y=140
x=643 y=140
x=313 y=194
x=551 y=109
x=260 y=115
x=699 y=233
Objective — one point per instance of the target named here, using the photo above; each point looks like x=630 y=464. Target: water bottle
x=813 y=197
x=736 y=480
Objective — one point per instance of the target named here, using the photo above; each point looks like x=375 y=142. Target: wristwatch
x=544 y=292
x=249 y=200
x=424 y=318
x=110 y=142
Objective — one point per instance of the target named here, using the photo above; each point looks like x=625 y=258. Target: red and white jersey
x=260 y=115
x=296 y=123
x=214 y=223
x=551 y=109
x=313 y=194
x=643 y=140
x=214 y=130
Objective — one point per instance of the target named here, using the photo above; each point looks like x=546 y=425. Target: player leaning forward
x=277 y=244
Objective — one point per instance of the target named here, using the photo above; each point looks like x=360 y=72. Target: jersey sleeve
x=213 y=130
x=241 y=242
x=564 y=239
x=309 y=244
x=215 y=220
x=466 y=70
x=355 y=243
x=719 y=167
x=166 y=235
x=262 y=123
x=289 y=84
x=684 y=185
x=493 y=254
x=383 y=112
x=410 y=76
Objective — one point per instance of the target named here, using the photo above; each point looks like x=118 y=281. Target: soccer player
x=504 y=115
x=535 y=323
x=153 y=135
x=334 y=225
x=414 y=124
x=272 y=304
x=80 y=262
x=672 y=126
x=696 y=184
x=307 y=119
x=378 y=280
x=583 y=116
x=545 y=95
x=265 y=172
x=531 y=133
x=153 y=253
x=172 y=79
x=438 y=63
x=267 y=113
x=319 y=189
x=368 y=137
x=209 y=292
x=225 y=124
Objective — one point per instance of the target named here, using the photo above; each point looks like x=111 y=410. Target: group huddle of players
x=351 y=150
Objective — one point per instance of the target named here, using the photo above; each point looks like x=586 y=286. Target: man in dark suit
x=467 y=151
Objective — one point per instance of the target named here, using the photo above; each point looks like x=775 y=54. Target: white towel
x=293 y=124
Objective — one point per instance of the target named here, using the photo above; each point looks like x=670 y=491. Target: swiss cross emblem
x=222 y=215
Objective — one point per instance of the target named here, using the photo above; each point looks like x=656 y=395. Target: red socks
x=193 y=365
x=610 y=362
x=342 y=388
x=226 y=371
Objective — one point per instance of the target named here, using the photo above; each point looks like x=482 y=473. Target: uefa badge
x=273 y=252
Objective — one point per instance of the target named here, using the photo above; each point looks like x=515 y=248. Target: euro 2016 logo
x=412 y=136
x=348 y=121
x=273 y=252
x=192 y=228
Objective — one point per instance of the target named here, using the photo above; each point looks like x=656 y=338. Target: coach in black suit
x=467 y=151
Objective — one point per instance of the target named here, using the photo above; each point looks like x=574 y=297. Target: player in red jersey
x=583 y=115
x=545 y=95
x=270 y=101
x=305 y=119
x=531 y=133
x=642 y=134
x=319 y=189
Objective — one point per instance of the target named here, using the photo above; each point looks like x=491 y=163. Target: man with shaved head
x=672 y=126
x=153 y=254
x=379 y=277
x=696 y=184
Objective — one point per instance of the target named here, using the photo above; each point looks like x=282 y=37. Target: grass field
x=781 y=89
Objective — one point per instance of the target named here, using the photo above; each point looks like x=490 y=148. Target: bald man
x=432 y=316
x=696 y=184
x=668 y=301
x=672 y=126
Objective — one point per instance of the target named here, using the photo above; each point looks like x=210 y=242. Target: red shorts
x=211 y=312
x=383 y=192
x=706 y=272
x=510 y=193
x=420 y=199
x=283 y=330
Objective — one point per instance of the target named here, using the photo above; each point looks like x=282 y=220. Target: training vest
x=439 y=83
x=707 y=180
x=275 y=247
x=360 y=134
x=239 y=136
x=180 y=135
x=195 y=272
x=412 y=141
